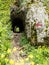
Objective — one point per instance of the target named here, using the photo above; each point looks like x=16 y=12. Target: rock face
x=36 y=21
x=17 y=16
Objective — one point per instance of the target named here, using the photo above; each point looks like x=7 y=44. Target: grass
x=39 y=55
x=5 y=33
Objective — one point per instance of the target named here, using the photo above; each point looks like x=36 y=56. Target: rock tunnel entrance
x=18 y=23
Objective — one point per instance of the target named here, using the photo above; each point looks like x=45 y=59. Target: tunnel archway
x=18 y=22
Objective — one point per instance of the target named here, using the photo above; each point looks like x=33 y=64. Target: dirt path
x=16 y=43
x=16 y=55
x=16 y=39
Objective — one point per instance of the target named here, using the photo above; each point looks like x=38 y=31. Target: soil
x=16 y=43
x=16 y=55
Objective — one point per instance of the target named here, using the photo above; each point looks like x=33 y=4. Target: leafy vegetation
x=38 y=55
x=46 y=3
x=5 y=33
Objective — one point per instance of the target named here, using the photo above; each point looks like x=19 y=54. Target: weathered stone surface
x=35 y=19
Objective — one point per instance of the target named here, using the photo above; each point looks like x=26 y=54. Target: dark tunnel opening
x=18 y=22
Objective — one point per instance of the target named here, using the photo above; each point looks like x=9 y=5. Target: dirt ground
x=16 y=55
x=16 y=43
